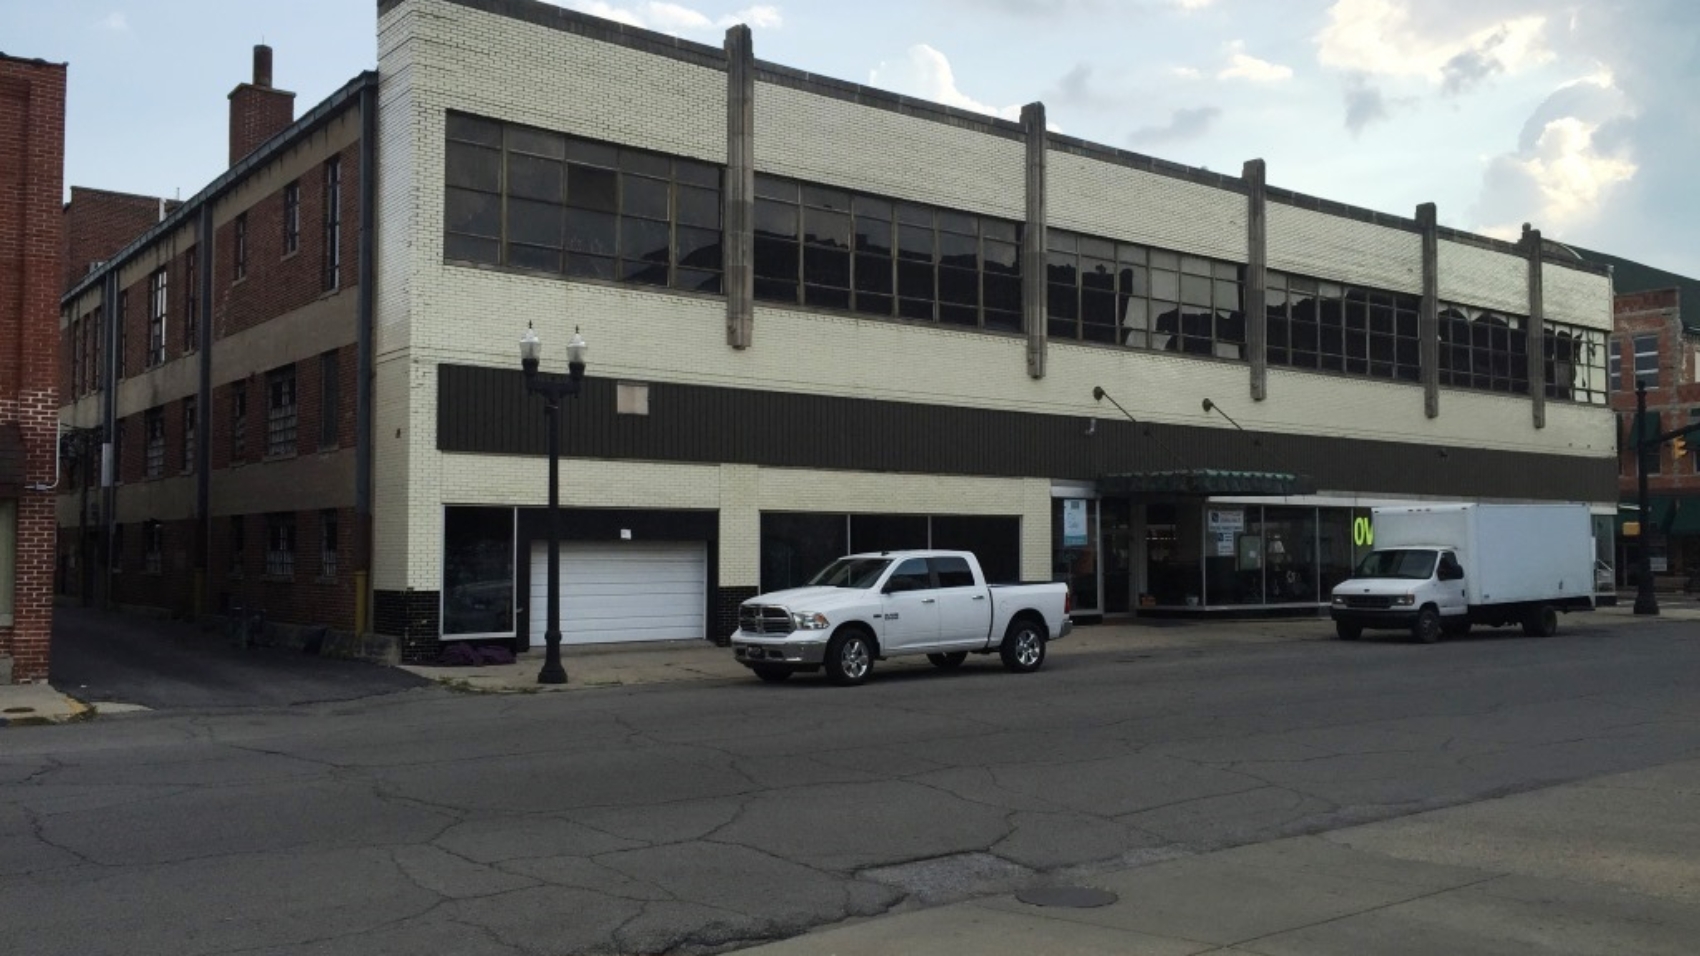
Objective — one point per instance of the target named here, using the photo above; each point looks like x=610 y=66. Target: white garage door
x=623 y=591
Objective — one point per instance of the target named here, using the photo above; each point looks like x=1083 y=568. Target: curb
x=76 y=710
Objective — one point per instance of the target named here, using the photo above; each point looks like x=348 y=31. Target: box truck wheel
x=1427 y=628
x=1348 y=632
x=1541 y=622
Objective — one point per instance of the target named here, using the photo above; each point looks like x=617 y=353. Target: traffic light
x=1678 y=448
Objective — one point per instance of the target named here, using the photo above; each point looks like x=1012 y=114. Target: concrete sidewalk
x=1608 y=866
x=615 y=665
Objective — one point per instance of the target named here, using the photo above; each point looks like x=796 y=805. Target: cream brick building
x=822 y=316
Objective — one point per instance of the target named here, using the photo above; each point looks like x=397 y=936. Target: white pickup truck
x=868 y=607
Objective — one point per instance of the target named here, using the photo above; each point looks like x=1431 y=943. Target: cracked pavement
x=696 y=818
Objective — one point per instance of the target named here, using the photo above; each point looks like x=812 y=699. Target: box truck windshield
x=1413 y=564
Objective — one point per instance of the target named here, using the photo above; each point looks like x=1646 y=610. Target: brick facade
x=287 y=311
x=99 y=222
x=1674 y=397
x=32 y=249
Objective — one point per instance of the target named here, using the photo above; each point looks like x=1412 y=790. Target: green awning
x=1672 y=516
x=1207 y=481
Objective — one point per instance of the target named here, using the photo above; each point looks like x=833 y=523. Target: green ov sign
x=1363 y=533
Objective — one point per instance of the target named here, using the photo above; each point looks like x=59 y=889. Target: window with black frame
x=1122 y=293
x=1342 y=328
x=478 y=570
x=532 y=199
x=1483 y=349
x=1575 y=363
x=832 y=248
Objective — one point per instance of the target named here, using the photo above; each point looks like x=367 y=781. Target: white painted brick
x=1119 y=202
x=1310 y=243
x=1483 y=277
x=1576 y=297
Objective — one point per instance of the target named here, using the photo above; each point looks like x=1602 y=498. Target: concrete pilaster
x=1255 y=174
x=1033 y=240
x=1428 y=320
x=740 y=192
x=1537 y=336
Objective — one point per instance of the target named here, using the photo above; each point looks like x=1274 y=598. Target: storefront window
x=1174 y=567
x=478 y=571
x=1233 y=554
x=1290 y=555
x=1074 y=547
x=995 y=541
x=887 y=532
x=795 y=546
x=1344 y=535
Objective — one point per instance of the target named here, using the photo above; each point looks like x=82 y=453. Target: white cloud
x=1190 y=5
x=925 y=73
x=1385 y=37
x=1568 y=178
x=1187 y=73
x=675 y=18
x=1244 y=66
x=114 y=21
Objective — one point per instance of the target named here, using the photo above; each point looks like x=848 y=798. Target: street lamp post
x=1646 y=601
x=552 y=386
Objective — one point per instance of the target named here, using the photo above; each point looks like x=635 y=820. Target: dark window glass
x=697 y=174
x=593 y=189
x=648 y=164
x=534 y=223
x=592 y=154
x=915 y=243
x=473 y=214
x=474 y=130
x=591 y=233
x=795 y=546
x=644 y=198
x=532 y=178
x=775 y=219
x=960 y=251
x=775 y=259
x=887 y=533
x=478 y=570
x=699 y=207
x=474 y=167
x=910 y=214
x=698 y=248
x=1003 y=293
x=826 y=298
x=769 y=187
x=915 y=309
x=873 y=235
x=826 y=198
x=828 y=267
x=821 y=227
x=915 y=280
x=873 y=274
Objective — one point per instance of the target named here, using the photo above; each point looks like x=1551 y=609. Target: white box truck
x=1438 y=569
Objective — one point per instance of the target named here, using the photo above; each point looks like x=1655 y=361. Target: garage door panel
x=648 y=591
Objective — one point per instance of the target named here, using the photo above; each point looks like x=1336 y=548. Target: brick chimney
x=257 y=112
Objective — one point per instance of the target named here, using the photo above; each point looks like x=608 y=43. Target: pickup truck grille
x=1376 y=601
x=763 y=619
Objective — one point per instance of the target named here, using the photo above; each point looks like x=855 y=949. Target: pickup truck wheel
x=1023 y=649
x=951 y=661
x=1427 y=628
x=772 y=673
x=1348 y=632
x=849 y=658
x=1541 y=622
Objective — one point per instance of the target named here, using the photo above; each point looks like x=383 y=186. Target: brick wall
x=99 y=222
x=257 y=113
x=32 y=160
x=1676 y=393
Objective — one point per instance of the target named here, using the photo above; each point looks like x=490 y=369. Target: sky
x=1580 y=117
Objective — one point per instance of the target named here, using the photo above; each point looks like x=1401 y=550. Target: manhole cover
x=1072 y=897
x=20 y=710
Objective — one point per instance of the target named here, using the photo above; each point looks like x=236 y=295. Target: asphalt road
x=172 y=666
x=687 y=817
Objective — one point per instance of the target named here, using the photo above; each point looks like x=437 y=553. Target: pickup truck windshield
x=851 y=573
x=1412 y=565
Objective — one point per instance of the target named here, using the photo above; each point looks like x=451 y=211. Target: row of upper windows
x=281 y=421
x=280 y=545
x=84 y=348
x=527 y=198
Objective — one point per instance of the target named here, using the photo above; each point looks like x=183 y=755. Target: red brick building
x=32 y=163
x=212 y=378
x=1657 y=340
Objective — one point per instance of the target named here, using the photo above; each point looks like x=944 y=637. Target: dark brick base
x=725 y=618
x=412 y=617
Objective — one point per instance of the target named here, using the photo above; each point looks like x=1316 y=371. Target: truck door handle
x=979 y=597
x=926 y=600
